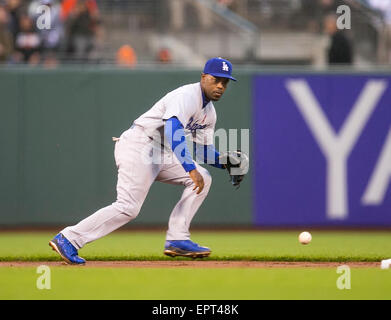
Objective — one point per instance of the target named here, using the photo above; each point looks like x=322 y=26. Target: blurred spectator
x=164 y=55
x=340 y=49
x=126 y=56
x=225 y=3
x=27 y=43
x=68 y=6
x=50 y=38
x=328 y=5
x=384 y=43
x=15 y=9
x=6 y=43
x=238 y=6
x=82 y=25
x=316 y=11
x=177 y=14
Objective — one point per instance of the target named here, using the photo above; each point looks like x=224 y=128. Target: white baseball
x=305 y=237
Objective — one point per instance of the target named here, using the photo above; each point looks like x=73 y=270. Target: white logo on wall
x=225 y=66
x=337 y=146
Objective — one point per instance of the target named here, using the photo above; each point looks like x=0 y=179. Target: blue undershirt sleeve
x=208 y=154
x=175 y=136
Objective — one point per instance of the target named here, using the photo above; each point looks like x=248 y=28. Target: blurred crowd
x=48 y=31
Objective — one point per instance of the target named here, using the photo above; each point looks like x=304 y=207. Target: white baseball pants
x=136 y=173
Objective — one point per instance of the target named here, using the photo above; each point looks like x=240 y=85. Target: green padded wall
x=57 y=163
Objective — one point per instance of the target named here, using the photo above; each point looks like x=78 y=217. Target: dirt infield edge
x=193 y=264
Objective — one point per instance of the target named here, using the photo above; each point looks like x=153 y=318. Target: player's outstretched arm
x=208 y=154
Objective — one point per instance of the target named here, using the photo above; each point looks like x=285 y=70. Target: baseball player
x=154 y=148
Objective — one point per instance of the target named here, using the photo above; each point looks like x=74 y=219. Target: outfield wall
x=57 y=164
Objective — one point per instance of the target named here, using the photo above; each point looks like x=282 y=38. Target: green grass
x=73 y=282
x=185 y=284
x=256 y=246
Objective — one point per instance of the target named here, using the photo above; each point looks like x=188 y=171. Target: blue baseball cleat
x=66 y=250
x=185 y=248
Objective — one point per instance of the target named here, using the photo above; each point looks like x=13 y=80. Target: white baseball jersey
x=186 y=104
x=135 y=176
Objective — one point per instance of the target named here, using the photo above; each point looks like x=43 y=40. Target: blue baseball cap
x=219 y=67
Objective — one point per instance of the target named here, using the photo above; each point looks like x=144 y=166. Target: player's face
x=213 y=87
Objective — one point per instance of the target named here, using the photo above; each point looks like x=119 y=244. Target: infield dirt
x=193 y=264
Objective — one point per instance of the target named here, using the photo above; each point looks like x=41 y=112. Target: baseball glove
x=237 y=164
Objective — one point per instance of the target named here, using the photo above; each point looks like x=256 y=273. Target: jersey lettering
x=194 y=126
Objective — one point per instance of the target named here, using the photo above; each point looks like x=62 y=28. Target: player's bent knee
x=127 y=208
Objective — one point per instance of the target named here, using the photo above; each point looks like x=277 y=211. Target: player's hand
x=197 y=179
